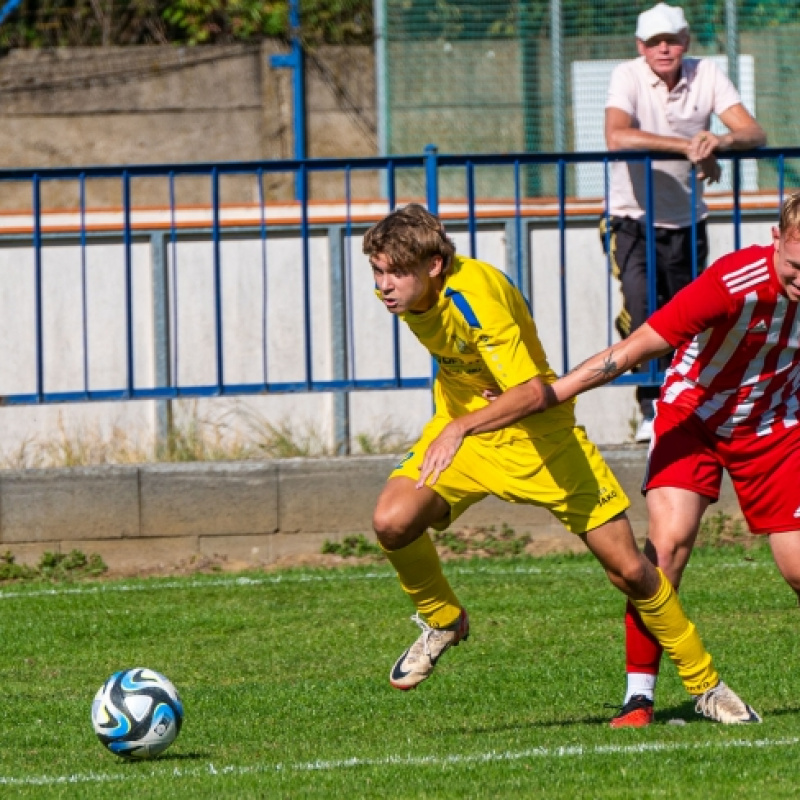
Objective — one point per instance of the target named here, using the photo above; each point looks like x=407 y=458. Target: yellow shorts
x=562 y=472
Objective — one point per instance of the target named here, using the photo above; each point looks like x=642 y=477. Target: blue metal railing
x=167 y=234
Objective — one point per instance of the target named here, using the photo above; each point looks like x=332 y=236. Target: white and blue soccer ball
x=137 y=713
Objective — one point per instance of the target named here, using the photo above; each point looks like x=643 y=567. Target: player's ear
x=436 y=267
x=776 y=236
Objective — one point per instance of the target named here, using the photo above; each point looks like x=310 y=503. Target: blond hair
x=408 y=236
x=789 y=225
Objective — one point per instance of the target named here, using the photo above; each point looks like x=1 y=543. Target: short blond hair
x=408 y=236
x=789 y=224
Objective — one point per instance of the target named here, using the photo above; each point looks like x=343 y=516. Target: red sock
x=642 y=651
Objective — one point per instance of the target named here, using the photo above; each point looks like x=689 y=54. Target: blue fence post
x=652 y=286
x=737 y=203
x=695 y=265
x=128 y=241
x=391 y=196
x=37 y=277
x=341 y=399
x=161 y=338
x=432 y=178
x=607 y=249
x=432 y=199
x=305 y=230
x=518 y=236
x=295 y=61
x=217 y=249
x=471 y=221
x=84 y=286
x=562 y=262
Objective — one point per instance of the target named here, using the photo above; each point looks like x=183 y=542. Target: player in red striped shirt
x=729 y=401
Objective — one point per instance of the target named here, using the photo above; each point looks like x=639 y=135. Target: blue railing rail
x=163 y=382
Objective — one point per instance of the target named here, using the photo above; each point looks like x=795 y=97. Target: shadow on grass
x=683 y=714
x=527 y=725
x=686 y=713
x=167 y=757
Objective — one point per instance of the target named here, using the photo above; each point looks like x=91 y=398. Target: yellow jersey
x=482 y=336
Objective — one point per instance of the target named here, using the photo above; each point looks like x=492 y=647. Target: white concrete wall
x=609 y=414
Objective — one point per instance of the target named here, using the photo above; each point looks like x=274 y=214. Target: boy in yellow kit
x=493 y=433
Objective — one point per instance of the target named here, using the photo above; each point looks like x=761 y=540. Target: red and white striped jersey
x=737 y=340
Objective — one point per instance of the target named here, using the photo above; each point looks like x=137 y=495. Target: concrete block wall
x=160 y=517
x=162 y=104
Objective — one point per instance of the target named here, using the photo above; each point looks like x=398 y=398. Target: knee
x=391 y=526
x=633 y=577
x=669 y=557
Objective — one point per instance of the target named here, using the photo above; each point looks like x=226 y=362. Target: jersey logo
x=748 y=276
x=759 y=327
x=405 y=458
x=605 y=495
x=797 y=514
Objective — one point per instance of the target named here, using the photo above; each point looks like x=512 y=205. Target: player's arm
x=511 y=406
x=642 y=345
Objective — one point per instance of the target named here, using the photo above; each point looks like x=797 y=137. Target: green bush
x=85 y=23
x=53 y=567
x=354 y=546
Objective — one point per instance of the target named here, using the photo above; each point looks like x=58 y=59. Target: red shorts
x=764 y=470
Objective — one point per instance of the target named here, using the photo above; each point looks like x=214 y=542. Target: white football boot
x=417 y=663
x=723 y=705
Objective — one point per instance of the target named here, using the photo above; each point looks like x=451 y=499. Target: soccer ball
x=137 y=713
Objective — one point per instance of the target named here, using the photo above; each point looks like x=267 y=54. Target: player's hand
x=709 y=170
x=440 y=454
x=492 y=393
x=701 y=146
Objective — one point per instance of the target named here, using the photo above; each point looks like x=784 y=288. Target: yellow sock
x=666 y=620
x=420 y=573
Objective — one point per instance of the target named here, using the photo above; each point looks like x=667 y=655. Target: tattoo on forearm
x=607 y=370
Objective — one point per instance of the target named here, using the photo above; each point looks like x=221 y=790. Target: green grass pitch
x=284 y=681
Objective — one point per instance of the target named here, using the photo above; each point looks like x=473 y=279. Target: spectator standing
x=663 y=101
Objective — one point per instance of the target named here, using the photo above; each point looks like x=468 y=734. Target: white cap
x=660 y=19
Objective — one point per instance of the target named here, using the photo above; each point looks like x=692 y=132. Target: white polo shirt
x=703 y=89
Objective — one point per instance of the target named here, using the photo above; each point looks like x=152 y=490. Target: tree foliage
x=81 y=23
x=205 y=21
x=55 y=23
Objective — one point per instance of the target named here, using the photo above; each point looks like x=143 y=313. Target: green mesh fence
x=502 y=75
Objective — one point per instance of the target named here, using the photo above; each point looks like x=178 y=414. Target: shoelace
x=705 y=704
x=427 y=632
x=709 y=701
x=618 y=707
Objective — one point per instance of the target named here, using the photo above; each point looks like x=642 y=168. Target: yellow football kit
x=482 y=336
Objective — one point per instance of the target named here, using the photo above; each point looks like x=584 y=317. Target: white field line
x=333 y=577
x=454 y=759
